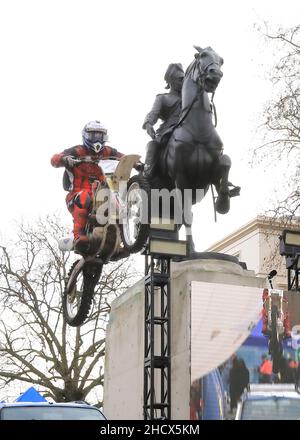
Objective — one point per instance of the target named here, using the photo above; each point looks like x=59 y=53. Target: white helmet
x=94 y=136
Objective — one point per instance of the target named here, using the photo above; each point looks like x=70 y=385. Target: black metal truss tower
x=157 y=356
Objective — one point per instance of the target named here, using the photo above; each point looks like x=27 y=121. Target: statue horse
x=193 y=158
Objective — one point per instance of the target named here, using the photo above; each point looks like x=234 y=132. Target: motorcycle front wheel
x=135 y=223
x=79 y=291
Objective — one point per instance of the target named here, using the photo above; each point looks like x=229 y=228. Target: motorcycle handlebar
x=90 y=159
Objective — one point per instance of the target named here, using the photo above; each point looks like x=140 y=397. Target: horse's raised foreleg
x=221 y=183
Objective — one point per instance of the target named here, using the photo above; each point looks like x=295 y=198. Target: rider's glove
x=150 y=130
x=69 y=161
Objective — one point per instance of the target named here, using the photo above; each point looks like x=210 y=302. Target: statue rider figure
x=167 y=107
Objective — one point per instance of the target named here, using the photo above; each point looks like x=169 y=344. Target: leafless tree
x=281 y=119
x=36 y=345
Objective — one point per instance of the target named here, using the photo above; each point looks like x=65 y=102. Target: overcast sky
x=64 y=63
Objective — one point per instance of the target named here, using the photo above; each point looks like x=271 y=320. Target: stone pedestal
x=214 y=305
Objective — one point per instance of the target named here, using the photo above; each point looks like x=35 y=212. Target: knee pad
x=83 y=200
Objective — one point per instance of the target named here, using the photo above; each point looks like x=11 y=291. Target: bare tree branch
x=36 y=345
x=280 y=129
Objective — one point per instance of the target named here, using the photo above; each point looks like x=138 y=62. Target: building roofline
x=258 y=223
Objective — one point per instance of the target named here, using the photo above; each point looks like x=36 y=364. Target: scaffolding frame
x=157 y=346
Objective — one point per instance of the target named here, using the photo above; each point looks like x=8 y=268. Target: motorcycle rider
x=167 y=107
x=79 y=177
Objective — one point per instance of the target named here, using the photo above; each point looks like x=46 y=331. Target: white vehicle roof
x=261 y=392
x=280 y=390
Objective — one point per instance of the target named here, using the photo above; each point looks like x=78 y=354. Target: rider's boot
x=81 y=240
x=151 y=159
x=82 y=244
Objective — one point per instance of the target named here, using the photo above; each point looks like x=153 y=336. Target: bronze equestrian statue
x=193 y=157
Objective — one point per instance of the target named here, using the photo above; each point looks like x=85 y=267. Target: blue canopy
x=31 y=395
x=256 y=338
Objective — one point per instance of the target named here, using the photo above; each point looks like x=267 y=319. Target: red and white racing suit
x=78 y=181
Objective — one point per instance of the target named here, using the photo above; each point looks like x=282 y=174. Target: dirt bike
x=111 y=237
x=276 y=311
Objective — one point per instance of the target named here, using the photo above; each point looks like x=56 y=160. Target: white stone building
x=257 y=244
